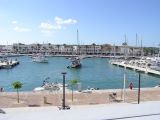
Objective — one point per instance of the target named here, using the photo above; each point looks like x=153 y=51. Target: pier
x=8 y=64
x=142 y=69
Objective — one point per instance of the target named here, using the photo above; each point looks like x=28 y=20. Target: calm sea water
x=95 y=72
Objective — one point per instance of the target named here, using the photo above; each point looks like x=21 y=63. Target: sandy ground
x=9 y=99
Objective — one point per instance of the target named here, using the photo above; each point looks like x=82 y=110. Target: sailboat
x=75 y=61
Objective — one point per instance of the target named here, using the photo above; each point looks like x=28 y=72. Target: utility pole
x=63 y=100
x=139 y=86
x=124 y=84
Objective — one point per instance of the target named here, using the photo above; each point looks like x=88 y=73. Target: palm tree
x=58 y=46
x=72 y=50
x=38 y=46
x=73 y=83
x=50 y=47
x=17 y=85
x=94 y=48
x=15 y=49
x=86 y=48
x=102 y=49
x=64 y=50
x=45 y=49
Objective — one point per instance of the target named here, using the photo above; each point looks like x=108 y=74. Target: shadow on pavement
x=136 y=116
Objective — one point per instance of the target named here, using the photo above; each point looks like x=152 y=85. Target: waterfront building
x=65 y=49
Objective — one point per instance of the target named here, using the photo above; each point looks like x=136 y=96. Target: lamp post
x=63 y=100
x=159 y=51
x=139 y=86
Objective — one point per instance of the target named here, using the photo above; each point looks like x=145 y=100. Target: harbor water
x=95 y=73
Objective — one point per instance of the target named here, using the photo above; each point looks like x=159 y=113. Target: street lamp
x=63 y=100
x=139 y=85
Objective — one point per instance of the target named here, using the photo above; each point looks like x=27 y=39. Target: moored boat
x=50 y=86
x=39 y=58
x=75 y=63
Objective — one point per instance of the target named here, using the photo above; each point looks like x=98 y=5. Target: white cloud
x=14 y=22
x=48 y=28
x=47 y=33
x=46 y=25
x=58 y=23
x=21 y=29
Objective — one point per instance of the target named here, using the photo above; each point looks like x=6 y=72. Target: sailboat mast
x=159 y=51
x=78 y=48
x=77 y=38
x=141 y=46
x=136 y=39
x=125 y=49
x=114 y=51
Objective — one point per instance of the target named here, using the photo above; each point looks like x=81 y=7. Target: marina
x=94 y=73
x=79 y=60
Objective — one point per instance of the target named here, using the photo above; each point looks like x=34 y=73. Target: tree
x=17 y=85
x=86 y=46
x=58 y=46
x=94 y=48
x=73 y=83
x=38 y=46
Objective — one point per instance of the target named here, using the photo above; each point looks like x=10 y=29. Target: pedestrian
x=1 y=89
x=131 y=85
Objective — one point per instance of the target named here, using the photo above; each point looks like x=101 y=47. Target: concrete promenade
x=121 y=111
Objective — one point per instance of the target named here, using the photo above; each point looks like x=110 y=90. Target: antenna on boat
x=141 y=46
x=136 y=39
x=159 y=50
x=114 y=51
x=125 y=45
x=78 y=42
x=77 y=37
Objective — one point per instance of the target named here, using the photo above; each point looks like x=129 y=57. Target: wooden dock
x=145 y=70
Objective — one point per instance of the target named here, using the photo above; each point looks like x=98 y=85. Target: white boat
x=157 y=86
x=155 y=64
x=50 y=86
x=89 y=90
x=39 y=89
x=75 y=63
x=39 y=58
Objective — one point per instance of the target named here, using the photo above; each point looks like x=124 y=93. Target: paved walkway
x=126 y=111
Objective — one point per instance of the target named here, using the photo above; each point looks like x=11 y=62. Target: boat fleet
x=75 y=62
x=152 y=63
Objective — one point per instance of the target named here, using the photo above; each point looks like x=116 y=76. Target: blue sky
x=98 y=21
